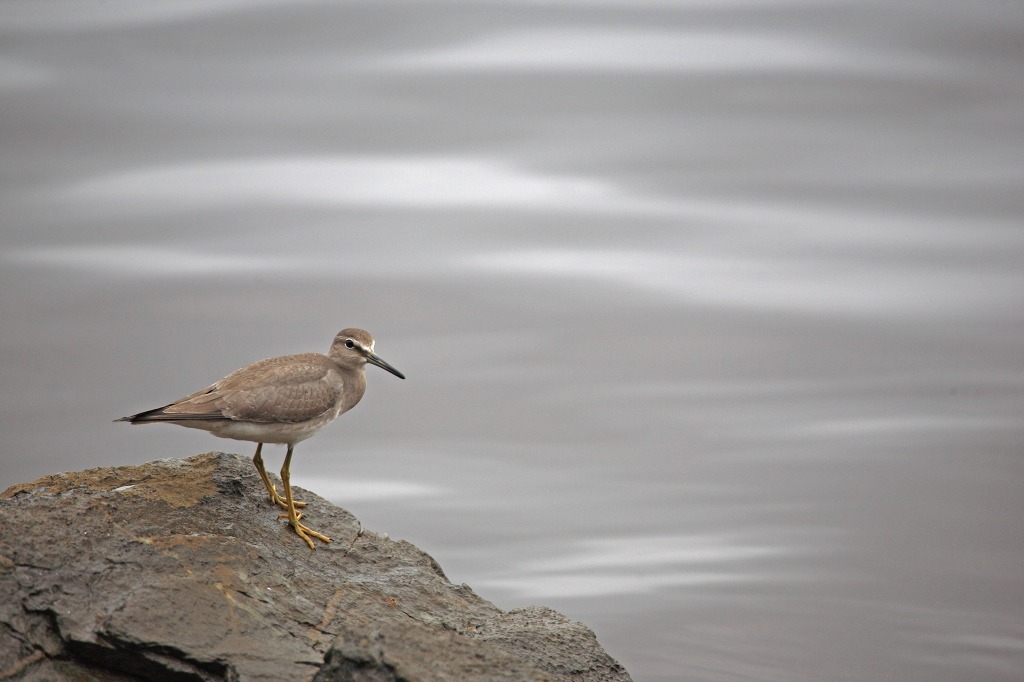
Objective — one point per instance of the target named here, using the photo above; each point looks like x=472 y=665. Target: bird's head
x=354 y=348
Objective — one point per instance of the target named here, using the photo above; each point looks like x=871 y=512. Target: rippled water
x=711 y=312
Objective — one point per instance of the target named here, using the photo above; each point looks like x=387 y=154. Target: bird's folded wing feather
x=292 y=388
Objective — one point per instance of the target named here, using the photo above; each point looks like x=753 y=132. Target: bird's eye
x=349 y=343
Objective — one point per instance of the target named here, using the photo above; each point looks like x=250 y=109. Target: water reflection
x=820 y=283
x=647 y=50
x=639 y=565
x=147 y=261
x=393 y=183
x=344 y=491
x=43 y=17
x=711 y=311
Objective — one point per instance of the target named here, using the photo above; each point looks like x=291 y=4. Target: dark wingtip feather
x=136 y=418
x=158 y=415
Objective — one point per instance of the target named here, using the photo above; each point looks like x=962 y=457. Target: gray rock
x=180 y=569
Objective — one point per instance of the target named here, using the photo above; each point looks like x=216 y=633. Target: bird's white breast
x=278 y=432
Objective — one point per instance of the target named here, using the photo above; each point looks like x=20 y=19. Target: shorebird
x=284 y=400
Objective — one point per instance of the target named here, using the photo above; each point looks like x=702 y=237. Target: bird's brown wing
x=291 y=388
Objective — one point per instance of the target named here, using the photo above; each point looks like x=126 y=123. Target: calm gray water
x=712 y=312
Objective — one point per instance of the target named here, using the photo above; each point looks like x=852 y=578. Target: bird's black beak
x=375 y=359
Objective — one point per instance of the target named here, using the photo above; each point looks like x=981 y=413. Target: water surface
x=711 y=312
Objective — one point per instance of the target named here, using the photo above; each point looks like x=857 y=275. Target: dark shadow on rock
x=181 y=570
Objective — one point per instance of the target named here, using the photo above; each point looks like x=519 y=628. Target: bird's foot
x=280 y=501
x=304 y=532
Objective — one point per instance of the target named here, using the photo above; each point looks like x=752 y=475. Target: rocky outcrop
x=181 y=570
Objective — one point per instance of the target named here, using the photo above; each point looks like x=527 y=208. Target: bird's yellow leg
x=257 y=459
x=301 y=530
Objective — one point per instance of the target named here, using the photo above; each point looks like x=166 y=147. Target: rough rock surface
x=181 y=570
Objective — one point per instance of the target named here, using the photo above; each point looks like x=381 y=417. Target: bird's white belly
x=278 y=432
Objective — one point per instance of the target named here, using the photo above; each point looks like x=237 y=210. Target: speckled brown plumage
x=289 y=389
